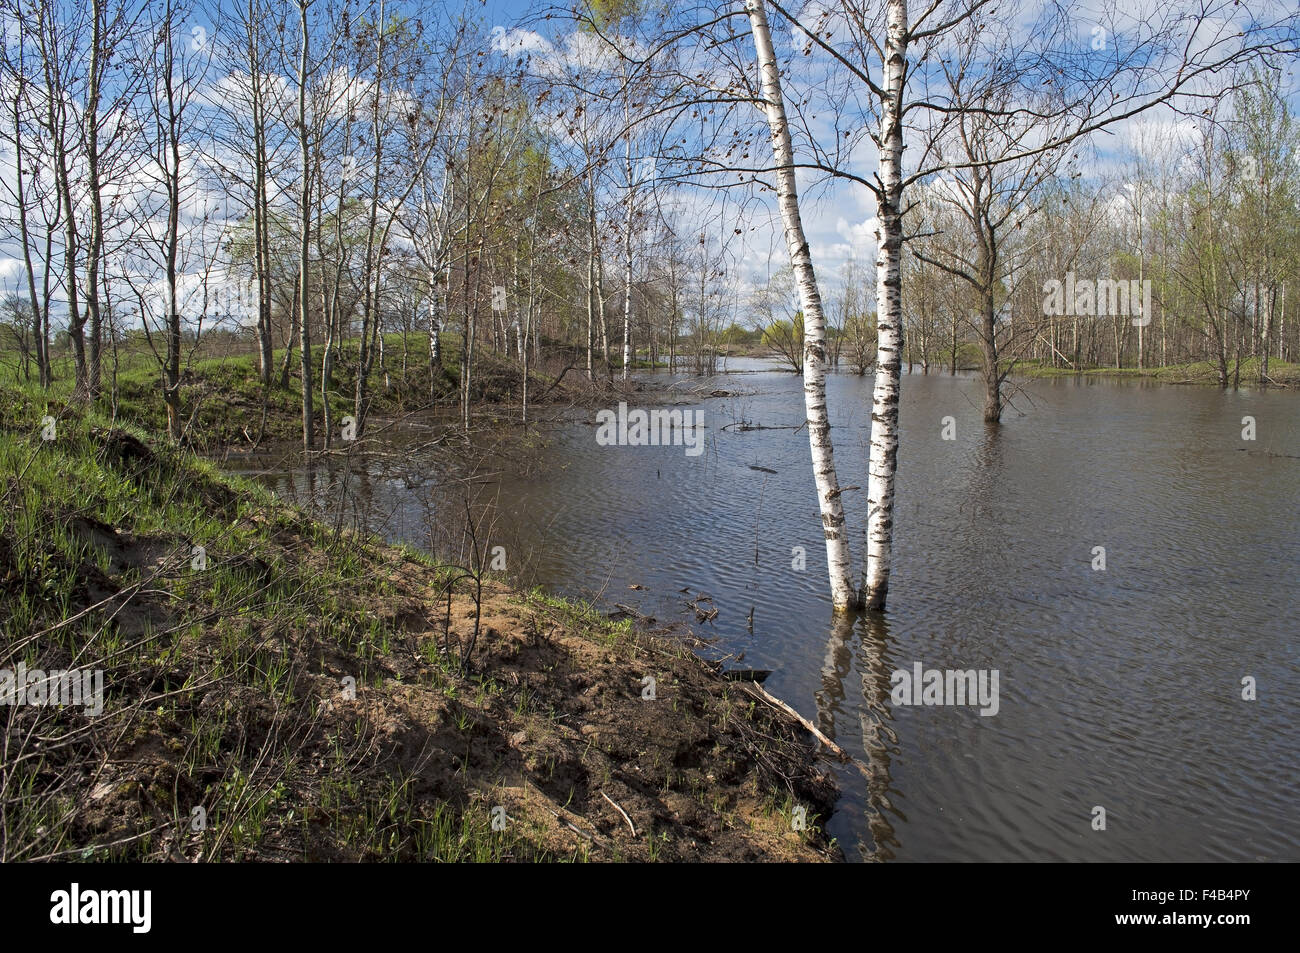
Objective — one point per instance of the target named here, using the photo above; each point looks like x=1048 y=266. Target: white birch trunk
x=627 y=266
x=883 y=457
x=304 y=234
x=844 y=594
x=435 y=349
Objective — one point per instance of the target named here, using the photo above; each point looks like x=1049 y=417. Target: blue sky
x=839 y=216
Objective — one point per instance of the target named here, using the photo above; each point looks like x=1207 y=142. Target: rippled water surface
x=1118 y=688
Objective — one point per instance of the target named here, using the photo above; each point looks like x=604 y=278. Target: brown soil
x=566 y=744
x=562 y=737
x=229 y=691
x=700 y=768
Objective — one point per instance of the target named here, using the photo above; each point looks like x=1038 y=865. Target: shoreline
x=1283 y=375
x=307 y=694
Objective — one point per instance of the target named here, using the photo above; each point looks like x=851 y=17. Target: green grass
x=1198 y=372
x=212 y=676
x=223 y=396
x=969 y=355
x=583 y=615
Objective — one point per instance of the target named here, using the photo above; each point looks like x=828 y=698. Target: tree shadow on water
x=857 y=643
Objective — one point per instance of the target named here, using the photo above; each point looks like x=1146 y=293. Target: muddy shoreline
x=304 y=693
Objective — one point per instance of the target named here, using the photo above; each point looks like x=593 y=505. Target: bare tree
x=176 y=66
x=844 y=593
x=892 y=60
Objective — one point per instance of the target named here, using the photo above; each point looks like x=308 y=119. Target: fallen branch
x=577 y=830
x=744 y=427
x=639 y=616
x=621 y=811
x=764 y=695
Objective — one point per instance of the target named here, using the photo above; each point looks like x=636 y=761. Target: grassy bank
x=222 y=399
x=275 y=690
x=1281 y=373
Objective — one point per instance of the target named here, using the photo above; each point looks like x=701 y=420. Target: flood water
x=1118 y=688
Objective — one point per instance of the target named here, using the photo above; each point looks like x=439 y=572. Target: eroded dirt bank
x=299 y=693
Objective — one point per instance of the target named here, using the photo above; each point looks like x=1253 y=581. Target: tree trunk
x=172 y=378
x=600 y=313
x=992 y=377
x=435 y=349
x=1266 y=336
x=591 y=284
x=95 y=252
x=56 y=116
x=304 y=240
x=41 y=339
x=883 y=457
x=294 y=312
x=261 y=226
x=627 y=250
x=952 y=351
x=844 y=594
x=370 y=305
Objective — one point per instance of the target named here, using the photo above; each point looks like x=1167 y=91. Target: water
x=1119 y=688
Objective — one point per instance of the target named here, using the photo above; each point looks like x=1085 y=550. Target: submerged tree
x=921 y=75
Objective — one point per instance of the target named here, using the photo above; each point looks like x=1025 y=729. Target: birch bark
x=844 y=594
x=883 y=457
x=304 y=232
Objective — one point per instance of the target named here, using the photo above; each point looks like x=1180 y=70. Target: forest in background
x=289 y=177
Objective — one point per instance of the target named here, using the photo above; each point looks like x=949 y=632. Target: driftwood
x=747 y=674
x=1268 y=453
x=759 y=692
x=632 y=613
x=745 y=427
x=555 y=383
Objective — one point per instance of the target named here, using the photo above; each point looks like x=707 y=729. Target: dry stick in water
x=758 y=691
x=755 y=689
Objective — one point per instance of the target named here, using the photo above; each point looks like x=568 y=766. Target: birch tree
x=844 y=593
x=890 y=61
x=304 y=224
x=58 y=42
